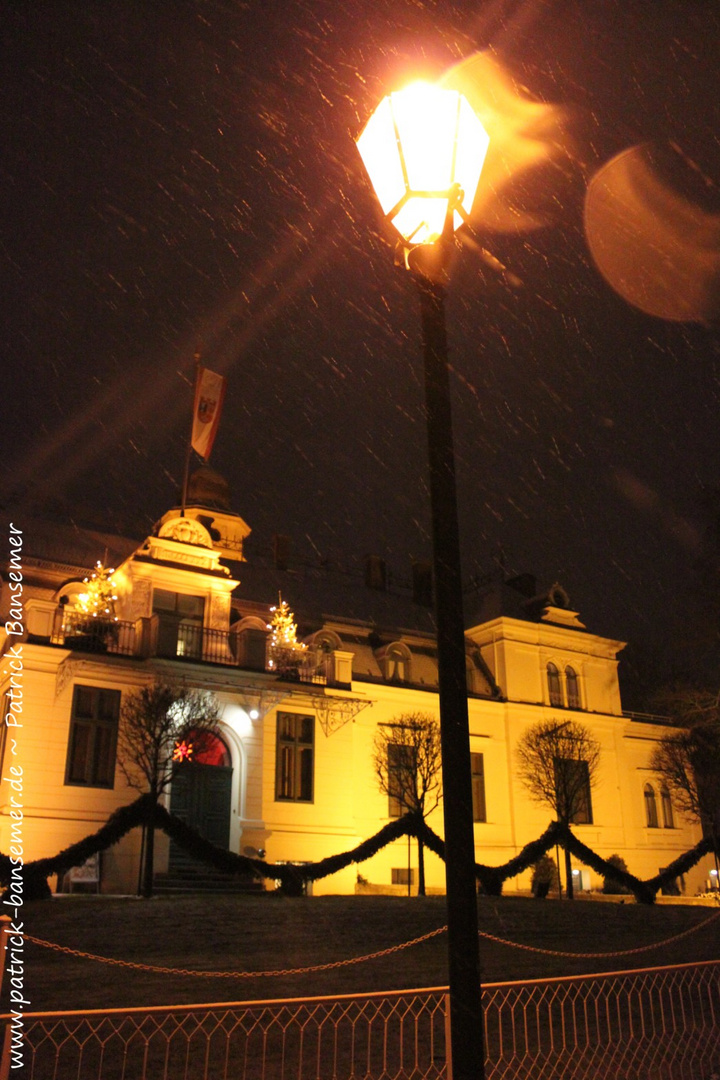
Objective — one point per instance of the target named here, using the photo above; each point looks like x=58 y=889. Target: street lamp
x=424 y=149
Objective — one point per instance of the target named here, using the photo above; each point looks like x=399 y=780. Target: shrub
x=610 y=886
x=545 y=877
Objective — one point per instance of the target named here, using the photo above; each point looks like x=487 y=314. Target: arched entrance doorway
x=201 y=792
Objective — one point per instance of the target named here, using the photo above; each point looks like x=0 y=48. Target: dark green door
x=201 y=796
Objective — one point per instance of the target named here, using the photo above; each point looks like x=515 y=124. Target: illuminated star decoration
x=183 y=751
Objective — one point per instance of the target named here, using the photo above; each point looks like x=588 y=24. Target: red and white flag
x=209 y=394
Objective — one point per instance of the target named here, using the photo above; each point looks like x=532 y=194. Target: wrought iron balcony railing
x=76 y=630
x=173 y=639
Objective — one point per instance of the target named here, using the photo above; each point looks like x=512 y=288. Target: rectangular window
x=572 y=788
x=181 y=604
x=477 y=766
x=93 y=737
x=294 y=762
x=181 y=623
x=401 y=776
x=401 y=875
x=583 y=806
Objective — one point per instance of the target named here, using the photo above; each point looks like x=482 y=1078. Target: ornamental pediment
x=185 y=530
x=166 y=549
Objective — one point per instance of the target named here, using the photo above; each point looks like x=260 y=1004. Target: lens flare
x=654 y=235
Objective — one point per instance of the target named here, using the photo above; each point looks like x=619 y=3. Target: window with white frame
x=93 y=737
x=295 y=757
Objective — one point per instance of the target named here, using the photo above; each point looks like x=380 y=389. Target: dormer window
x=325 y=641
x=397 y=663
x=554 y=687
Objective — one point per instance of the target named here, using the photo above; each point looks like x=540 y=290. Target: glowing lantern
x=422 y=147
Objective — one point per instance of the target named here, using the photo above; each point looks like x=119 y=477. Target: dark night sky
x=183 y=174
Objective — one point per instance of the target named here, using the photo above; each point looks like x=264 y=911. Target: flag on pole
x=209 y=394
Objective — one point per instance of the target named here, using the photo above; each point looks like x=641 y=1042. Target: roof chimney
x=525 y=584
x=422 y=584
x=375 y=573
x=281 y=551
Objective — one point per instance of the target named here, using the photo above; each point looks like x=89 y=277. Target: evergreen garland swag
x=293 y=878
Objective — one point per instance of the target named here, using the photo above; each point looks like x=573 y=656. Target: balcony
x=76 y=630
x=170 y=638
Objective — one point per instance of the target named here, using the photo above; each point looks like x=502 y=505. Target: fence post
x=5 y=921
x=448 y=1041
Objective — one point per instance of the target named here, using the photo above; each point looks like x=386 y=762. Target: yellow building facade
x=294 y=778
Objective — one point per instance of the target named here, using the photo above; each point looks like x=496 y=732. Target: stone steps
x=193 y=879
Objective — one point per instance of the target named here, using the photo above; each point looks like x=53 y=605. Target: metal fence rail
x=656 y=1024
x=660 y=1023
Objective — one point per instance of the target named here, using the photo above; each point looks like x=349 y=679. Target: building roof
x=73 y=548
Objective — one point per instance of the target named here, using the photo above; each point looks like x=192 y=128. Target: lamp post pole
x=424 y=149
x=466 y=1032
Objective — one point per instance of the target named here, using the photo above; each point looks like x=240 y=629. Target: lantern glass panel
x=472 y=145
x=426 y=120
x=379 y=151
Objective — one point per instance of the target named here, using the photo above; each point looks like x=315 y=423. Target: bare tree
x=157 y=724
x=688 y=761
x=558 y=763
x=407 y=759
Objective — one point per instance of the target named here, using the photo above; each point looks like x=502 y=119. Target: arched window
x=397 y=663
x=667 y=810
x=651 y=814
x=325 y=641
x=554 y=688
x=205 y=748
x=572 y=688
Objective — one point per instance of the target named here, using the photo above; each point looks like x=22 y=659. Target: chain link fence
x=654 y=1024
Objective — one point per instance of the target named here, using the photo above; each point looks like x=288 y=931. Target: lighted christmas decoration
x=286 y=652
x=183 y=751
x=99 y=599
x=284 y=627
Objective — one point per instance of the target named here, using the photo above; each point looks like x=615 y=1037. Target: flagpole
x=188 y=454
